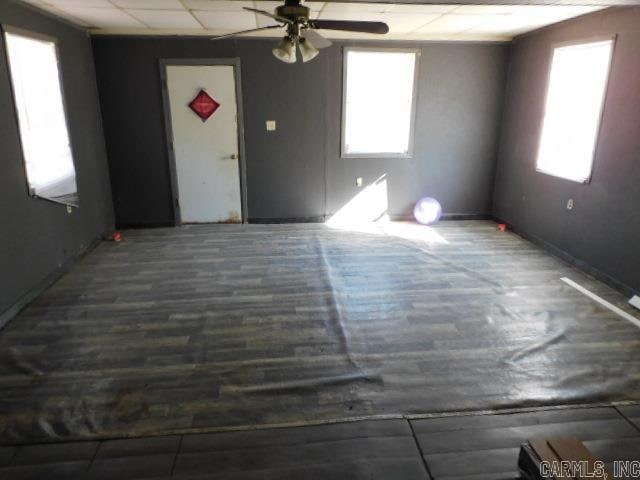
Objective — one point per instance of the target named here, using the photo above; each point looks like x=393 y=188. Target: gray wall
x=457 y=125
x=37 y=236
x=603 y=230
x=296 y=172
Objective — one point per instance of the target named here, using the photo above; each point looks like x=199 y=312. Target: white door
x=206 y=152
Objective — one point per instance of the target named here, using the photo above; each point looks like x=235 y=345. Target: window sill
x=377 y=155
x=585 y=181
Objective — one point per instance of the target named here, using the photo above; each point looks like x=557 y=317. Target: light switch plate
x=359 y=182
x=271 y=125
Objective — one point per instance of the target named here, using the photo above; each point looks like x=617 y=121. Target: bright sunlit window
x=379 y=97
x=575 y=95
x=41 y=117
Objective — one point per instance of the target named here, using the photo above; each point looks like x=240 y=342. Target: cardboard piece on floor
x=541 y=459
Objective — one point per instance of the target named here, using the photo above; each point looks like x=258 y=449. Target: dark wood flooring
x=229 y=326
x=471 y=447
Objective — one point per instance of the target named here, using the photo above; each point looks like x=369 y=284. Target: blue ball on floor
x=427 y=211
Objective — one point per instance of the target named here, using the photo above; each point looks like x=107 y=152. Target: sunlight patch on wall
x=370 y=205
x=367 y=212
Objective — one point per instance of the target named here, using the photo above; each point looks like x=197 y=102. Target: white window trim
x=414 y=100
x=45 y=38
x=570 y=43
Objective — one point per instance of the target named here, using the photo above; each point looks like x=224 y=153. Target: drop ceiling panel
x=555 y=13
x=225 y=21
x=407 y=21
x=507 y=25
x=60 y=14
x=402 y=23
x=166 y=18
x=103 y=17
x=263 y=20
x=79 y=3
x=426 y=9
x=217 y=5
x=267 y=6
x=454 y=23
x=149 y=4
x=484 y=9
x=525 y=18
x=355 y=7
x=398 y=22
x=314 y=6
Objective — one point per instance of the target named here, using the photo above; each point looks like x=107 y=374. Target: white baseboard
x=602 y=301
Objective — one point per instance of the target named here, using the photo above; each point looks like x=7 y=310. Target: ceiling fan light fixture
x=285 y=51
x=307 y=50
x=293 y=16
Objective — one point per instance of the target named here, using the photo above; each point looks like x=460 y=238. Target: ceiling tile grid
x=215 y=17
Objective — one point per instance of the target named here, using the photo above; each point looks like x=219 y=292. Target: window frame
x=572 y=43
x=4 y=29
x=414 y=101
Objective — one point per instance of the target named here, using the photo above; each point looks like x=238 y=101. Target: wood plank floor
x=228 y=326
x=470 y=447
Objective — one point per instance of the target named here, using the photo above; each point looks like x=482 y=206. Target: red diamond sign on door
x=203 y=105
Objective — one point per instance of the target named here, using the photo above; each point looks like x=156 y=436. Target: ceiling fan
x=300 y=29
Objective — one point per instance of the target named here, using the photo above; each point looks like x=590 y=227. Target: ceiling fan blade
x=235 y=34
x=268 y=14
x=316 y=39
x=350 y=26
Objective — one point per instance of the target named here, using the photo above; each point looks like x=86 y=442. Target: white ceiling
x=214 y=17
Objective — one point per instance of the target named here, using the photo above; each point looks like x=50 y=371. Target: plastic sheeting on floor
x=207 y=327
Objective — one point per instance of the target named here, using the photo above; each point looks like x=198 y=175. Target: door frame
x=242 y=166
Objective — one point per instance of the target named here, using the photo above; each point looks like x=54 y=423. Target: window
x=41 y=118
x=379 y=102
x=575 y=95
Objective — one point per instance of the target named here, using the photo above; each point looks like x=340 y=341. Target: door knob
x=233 y=156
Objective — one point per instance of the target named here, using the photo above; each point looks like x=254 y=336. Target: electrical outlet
x=69 y=209
x=570 y=204
x=271 y=125
x=359 y=182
